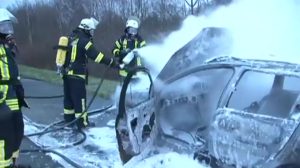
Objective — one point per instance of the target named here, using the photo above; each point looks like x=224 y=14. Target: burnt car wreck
x=225 y=111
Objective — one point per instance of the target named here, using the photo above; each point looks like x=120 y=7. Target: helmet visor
x=6 y=27
x=132 y=31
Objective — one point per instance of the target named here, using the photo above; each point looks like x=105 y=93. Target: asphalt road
x=47 y=111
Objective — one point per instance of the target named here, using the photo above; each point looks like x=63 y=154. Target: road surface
x=46 y=111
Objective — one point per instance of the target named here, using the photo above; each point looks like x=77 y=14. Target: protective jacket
x=9 y=69
x=124 y=45
x=10 y=72
x=80 y=49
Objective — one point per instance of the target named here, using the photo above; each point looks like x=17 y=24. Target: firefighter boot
x=83 y=122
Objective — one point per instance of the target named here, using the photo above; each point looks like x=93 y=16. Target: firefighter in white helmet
x=129 y=41
x=73 y=68
x=11 y=95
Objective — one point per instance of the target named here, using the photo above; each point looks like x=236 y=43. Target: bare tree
x=27 y=7
x=192 y=4
x=41 y=25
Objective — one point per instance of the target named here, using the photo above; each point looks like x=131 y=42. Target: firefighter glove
x=124 y=52
x=114 y=63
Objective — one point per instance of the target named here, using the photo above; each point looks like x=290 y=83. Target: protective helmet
x=88 y=24
x=132 y=25
x=133 y=22
x=6 y=20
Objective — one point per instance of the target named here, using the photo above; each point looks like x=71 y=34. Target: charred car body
x=226 y=111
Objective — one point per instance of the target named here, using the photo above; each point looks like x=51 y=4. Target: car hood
x=210 y=42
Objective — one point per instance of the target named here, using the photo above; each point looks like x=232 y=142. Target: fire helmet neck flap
x=6 y=21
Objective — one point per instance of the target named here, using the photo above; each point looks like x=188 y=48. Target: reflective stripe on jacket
x=124 y=43
x=82 y=48
x=8 y=70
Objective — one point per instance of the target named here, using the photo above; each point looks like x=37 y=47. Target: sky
x=6 y=3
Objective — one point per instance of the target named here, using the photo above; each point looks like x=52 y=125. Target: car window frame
x=242 y=73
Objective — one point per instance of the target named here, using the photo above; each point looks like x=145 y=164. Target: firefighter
x=74 y=70
x=11 y=95
x=129 y=41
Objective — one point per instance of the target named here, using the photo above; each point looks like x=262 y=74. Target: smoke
x=157 y=55
x=267 y=29
x=260 y=29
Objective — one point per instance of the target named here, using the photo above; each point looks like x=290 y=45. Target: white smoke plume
x=157 y=55
x=261 y=29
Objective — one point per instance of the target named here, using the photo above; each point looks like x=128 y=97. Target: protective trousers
x=11 y=127
x=75 y=100
x=13 y=103
x=7 y=136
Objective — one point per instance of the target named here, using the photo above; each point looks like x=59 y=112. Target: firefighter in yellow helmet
x=129 y=41
x=74 y=70
x=11 y=95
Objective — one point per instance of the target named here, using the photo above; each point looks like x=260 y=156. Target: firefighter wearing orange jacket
x=128 y=42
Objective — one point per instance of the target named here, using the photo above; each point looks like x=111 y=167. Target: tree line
x=41 y=24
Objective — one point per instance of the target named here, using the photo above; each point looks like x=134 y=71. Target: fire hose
x=48 y=130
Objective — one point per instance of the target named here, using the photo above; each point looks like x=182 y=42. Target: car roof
x=278 y=67
x=209 y=43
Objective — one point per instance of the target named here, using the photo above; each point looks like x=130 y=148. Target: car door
x=135 y=117
x=257 y=119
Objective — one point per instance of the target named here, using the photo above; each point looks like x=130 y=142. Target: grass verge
x=107 y=89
